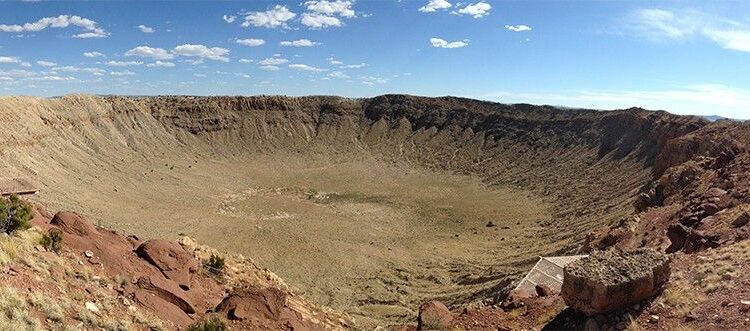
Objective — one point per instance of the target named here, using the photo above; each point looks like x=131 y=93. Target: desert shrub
x=215 y=264
x=52 y=240
x=211 y=322
x=15 y=214
x=48 y=306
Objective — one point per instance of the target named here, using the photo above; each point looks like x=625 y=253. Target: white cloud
x=317 y=21
x=299 y=43
x=93 y=54
x=338 y=74
x=146 y=29
x=476 y=10
x=335 y=62
x=229 y=18
x=91 y=70
x=9 y=60
x=62 y=21
x=435 y=5
x=326 y=13
x=161 y=64
x=355 y=66
x=661 y=25
x=46 y=63
x=704 y=99
x=269 y=68
x=372 y=80
x=124 y=63
x=518 y=28
x=251 y=42
x=203 y=52
x=730 y=39
x=277 y=16
x=305 y=67
x=330 y=8
x=442 y=43
x=245 y=61
x=51 y=78
x=121 y=73
x=150 y=52
x=272 y=61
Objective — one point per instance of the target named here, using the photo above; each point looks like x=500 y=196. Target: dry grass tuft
x=717 y=269
x=13 y=312
x=49 y=307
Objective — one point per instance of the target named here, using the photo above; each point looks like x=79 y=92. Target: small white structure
x=20 y=186
x=547 y=271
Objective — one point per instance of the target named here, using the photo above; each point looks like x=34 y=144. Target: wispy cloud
x=518 y=28
x=250 y=42
x=706 y=99
x=435 y=5
x=150 y=52
x=63 y=21
x=161 y=64
x=475 y=10
x=299 y=43
x=305 y=67
x=146 y=29
x=442 y=43
x=229 y=18
x=272 y=61
x=124 y=63
x=665 y=25
x=93 y=54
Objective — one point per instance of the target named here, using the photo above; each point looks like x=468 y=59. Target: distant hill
x=714 y=118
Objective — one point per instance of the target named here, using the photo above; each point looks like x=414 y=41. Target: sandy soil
x=365 y=236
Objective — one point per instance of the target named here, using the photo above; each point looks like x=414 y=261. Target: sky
x=686 y=57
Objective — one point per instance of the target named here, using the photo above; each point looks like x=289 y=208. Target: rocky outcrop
x=165 y=279
x=171 y=259
x=434 y=315
x=611 y=280
x=263 y=309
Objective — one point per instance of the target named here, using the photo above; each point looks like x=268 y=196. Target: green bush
x=15 y=214
x=211 y=322
x=52 y=240
x=215 y=264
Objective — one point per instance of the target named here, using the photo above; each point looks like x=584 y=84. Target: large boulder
x=434 y=315
x=71 y=222
x=611 y=280
x=264 y=309
x=171 y=259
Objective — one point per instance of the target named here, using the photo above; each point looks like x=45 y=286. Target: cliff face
x=141 y=163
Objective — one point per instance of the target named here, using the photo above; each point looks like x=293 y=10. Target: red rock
x=71 y=222
x=162 y=308
x=171 y=259
x=266 y=307
x=168 y=291
x=434 y=315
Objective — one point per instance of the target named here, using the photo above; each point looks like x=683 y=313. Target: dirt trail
x=368 y=206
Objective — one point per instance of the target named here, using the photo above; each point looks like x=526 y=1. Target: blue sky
x=690 y=57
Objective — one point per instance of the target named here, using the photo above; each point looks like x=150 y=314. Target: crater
x=369 y=206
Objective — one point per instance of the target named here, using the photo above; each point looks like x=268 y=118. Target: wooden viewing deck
x=18 y=186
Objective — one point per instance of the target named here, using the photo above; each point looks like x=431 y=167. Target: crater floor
x=369 y=237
